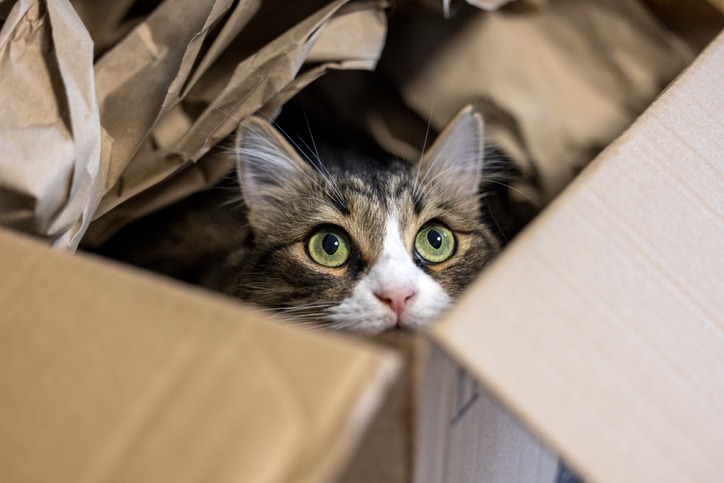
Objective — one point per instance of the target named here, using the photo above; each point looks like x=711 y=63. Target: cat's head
x=357 y=245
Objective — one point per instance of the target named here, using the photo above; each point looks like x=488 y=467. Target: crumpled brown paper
x=570 y=75
x=557 y=81
x=50 y=156
x=223 y=85
x=120 y=137
x=139 y=127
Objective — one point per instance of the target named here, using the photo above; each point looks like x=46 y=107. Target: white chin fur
x=362 y=312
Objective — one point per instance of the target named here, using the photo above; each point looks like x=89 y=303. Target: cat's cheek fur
x=282 y=278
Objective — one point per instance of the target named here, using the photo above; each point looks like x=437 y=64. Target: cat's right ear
x=455 y=160
x=268 y=168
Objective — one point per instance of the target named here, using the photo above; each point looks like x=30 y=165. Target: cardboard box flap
x=601 y=326
x=109 y=375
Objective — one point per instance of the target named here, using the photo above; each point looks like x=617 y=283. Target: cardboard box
x=111 y=375
x=115 y=375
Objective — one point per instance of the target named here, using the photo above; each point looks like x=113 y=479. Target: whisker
x=318 y=165
x=534 y=203
x=304 y=310
x=447 y=172
x=424 y=146
x=234 y=200
x=311 y=137
x=435 y=161
x=321 y=169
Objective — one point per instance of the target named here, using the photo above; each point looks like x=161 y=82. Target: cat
x=342 y=242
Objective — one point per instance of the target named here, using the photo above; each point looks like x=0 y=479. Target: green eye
x=329 y=247
x=435 y=243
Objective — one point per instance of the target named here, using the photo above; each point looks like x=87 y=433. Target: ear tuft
x=268 y=168
x=455 y=160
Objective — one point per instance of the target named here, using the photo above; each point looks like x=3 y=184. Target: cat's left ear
x=455 y=161
x=269 y=171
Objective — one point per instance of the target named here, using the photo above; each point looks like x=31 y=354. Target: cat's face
x=360 y=246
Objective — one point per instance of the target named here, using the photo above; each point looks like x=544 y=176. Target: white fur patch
x=363 y=312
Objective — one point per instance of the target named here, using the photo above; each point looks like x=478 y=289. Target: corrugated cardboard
x=109 y=375
x=464 y=434
x=602 y=326
x=439 y=424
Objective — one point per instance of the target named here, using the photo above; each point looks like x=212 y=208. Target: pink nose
x=397 y=298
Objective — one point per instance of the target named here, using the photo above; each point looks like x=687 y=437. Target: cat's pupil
x=330 y=244
x=435 y=239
